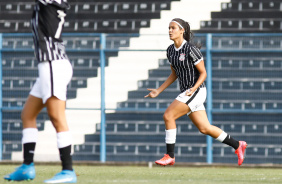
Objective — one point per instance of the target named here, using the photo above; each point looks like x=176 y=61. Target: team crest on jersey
x=182 y=57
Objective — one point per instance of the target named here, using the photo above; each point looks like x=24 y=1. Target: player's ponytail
x=187 y=35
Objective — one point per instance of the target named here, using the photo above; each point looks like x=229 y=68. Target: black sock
x=65 y=155
x=170 y=150
x=28 y=152
x=231 y=142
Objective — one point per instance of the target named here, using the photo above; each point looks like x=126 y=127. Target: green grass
x=158 y=174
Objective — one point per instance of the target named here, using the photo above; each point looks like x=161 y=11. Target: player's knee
x=23 y=116
x=26 y=117
x=204 y=130
x=168 y=117
x=53 y=117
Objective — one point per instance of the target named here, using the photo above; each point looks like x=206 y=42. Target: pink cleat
x=166 y=160
x=241 y=151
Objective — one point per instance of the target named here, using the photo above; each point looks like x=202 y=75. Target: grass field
x=158 y=174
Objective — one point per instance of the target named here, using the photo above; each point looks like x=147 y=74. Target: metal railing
x=213 y=44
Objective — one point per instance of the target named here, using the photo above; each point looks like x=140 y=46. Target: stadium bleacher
x=110 y=17
x=106 y=16
x=246 y=81
x=245 y=16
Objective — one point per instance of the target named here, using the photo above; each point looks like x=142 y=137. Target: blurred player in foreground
x=49 y=90
x=187 y=65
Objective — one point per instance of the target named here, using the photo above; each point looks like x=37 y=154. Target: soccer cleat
x=241 y=151
x=65 y=176
x=166 y=160
x=24 y=172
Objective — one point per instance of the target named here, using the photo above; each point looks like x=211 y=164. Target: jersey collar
x=177 y=49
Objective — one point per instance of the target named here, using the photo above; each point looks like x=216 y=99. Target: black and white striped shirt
x=47 y=23
x=184 y=60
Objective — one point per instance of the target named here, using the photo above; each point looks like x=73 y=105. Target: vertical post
x=1 y=145
x=103 y=115
x=209 y=94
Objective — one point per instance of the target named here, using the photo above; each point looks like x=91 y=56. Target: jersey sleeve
x=167 y=56
x=195 y=55
x=168 y=51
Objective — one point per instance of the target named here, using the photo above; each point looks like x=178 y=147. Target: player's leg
x=173 y=112
x=30 y=111
x=56 y=112
x=56 y=104
x=200 y=120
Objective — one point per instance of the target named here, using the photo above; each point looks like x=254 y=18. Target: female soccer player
x=49 y=90
x=187 y=65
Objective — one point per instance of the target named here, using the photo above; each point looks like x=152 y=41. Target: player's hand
x=154 y=93
x=189 y=92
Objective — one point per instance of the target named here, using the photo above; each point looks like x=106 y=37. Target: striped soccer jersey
x=47 y=23
x=183 y=61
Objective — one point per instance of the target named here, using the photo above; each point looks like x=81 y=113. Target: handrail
x=209 y=50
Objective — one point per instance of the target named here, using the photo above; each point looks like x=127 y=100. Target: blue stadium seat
x=25 y=7
x=24 y=25
x=78 y=83
x=271 y=25
x=147 y=149
x=210 y=25
x=257 y=151
x=250 y=6
x=274 y=128
x=255 y=128
x=127 y=7
x=70 y=26
x=273 y=105
x=126 y=105
x=85 y=148
x=272 y=44
x=251 y=24
x=117 y=42
x=9 y=7
x=141 y=23
x=85 y=7
x=164 y=62
x=232 y=6
x=183 y=128
x=252 y=85
x=86 y=25
x=192 y=150
x=9 y=43
x=8 y=26
x=25 y=63
x=147 y=127
x=274 y=151
x=110 y=127
x=10 y=147
x=230 y=24
x=126 y=127
x=251 y=44
x=230 y=127
x=105 y=7
x=162 y=6
x=271 y=5
x=125 y=149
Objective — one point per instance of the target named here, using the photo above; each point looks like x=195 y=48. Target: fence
x=242 y=69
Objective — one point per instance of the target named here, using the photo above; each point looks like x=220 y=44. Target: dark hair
x=187 y=35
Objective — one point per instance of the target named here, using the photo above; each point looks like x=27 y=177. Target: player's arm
x=203 y=75
x=155 y=92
